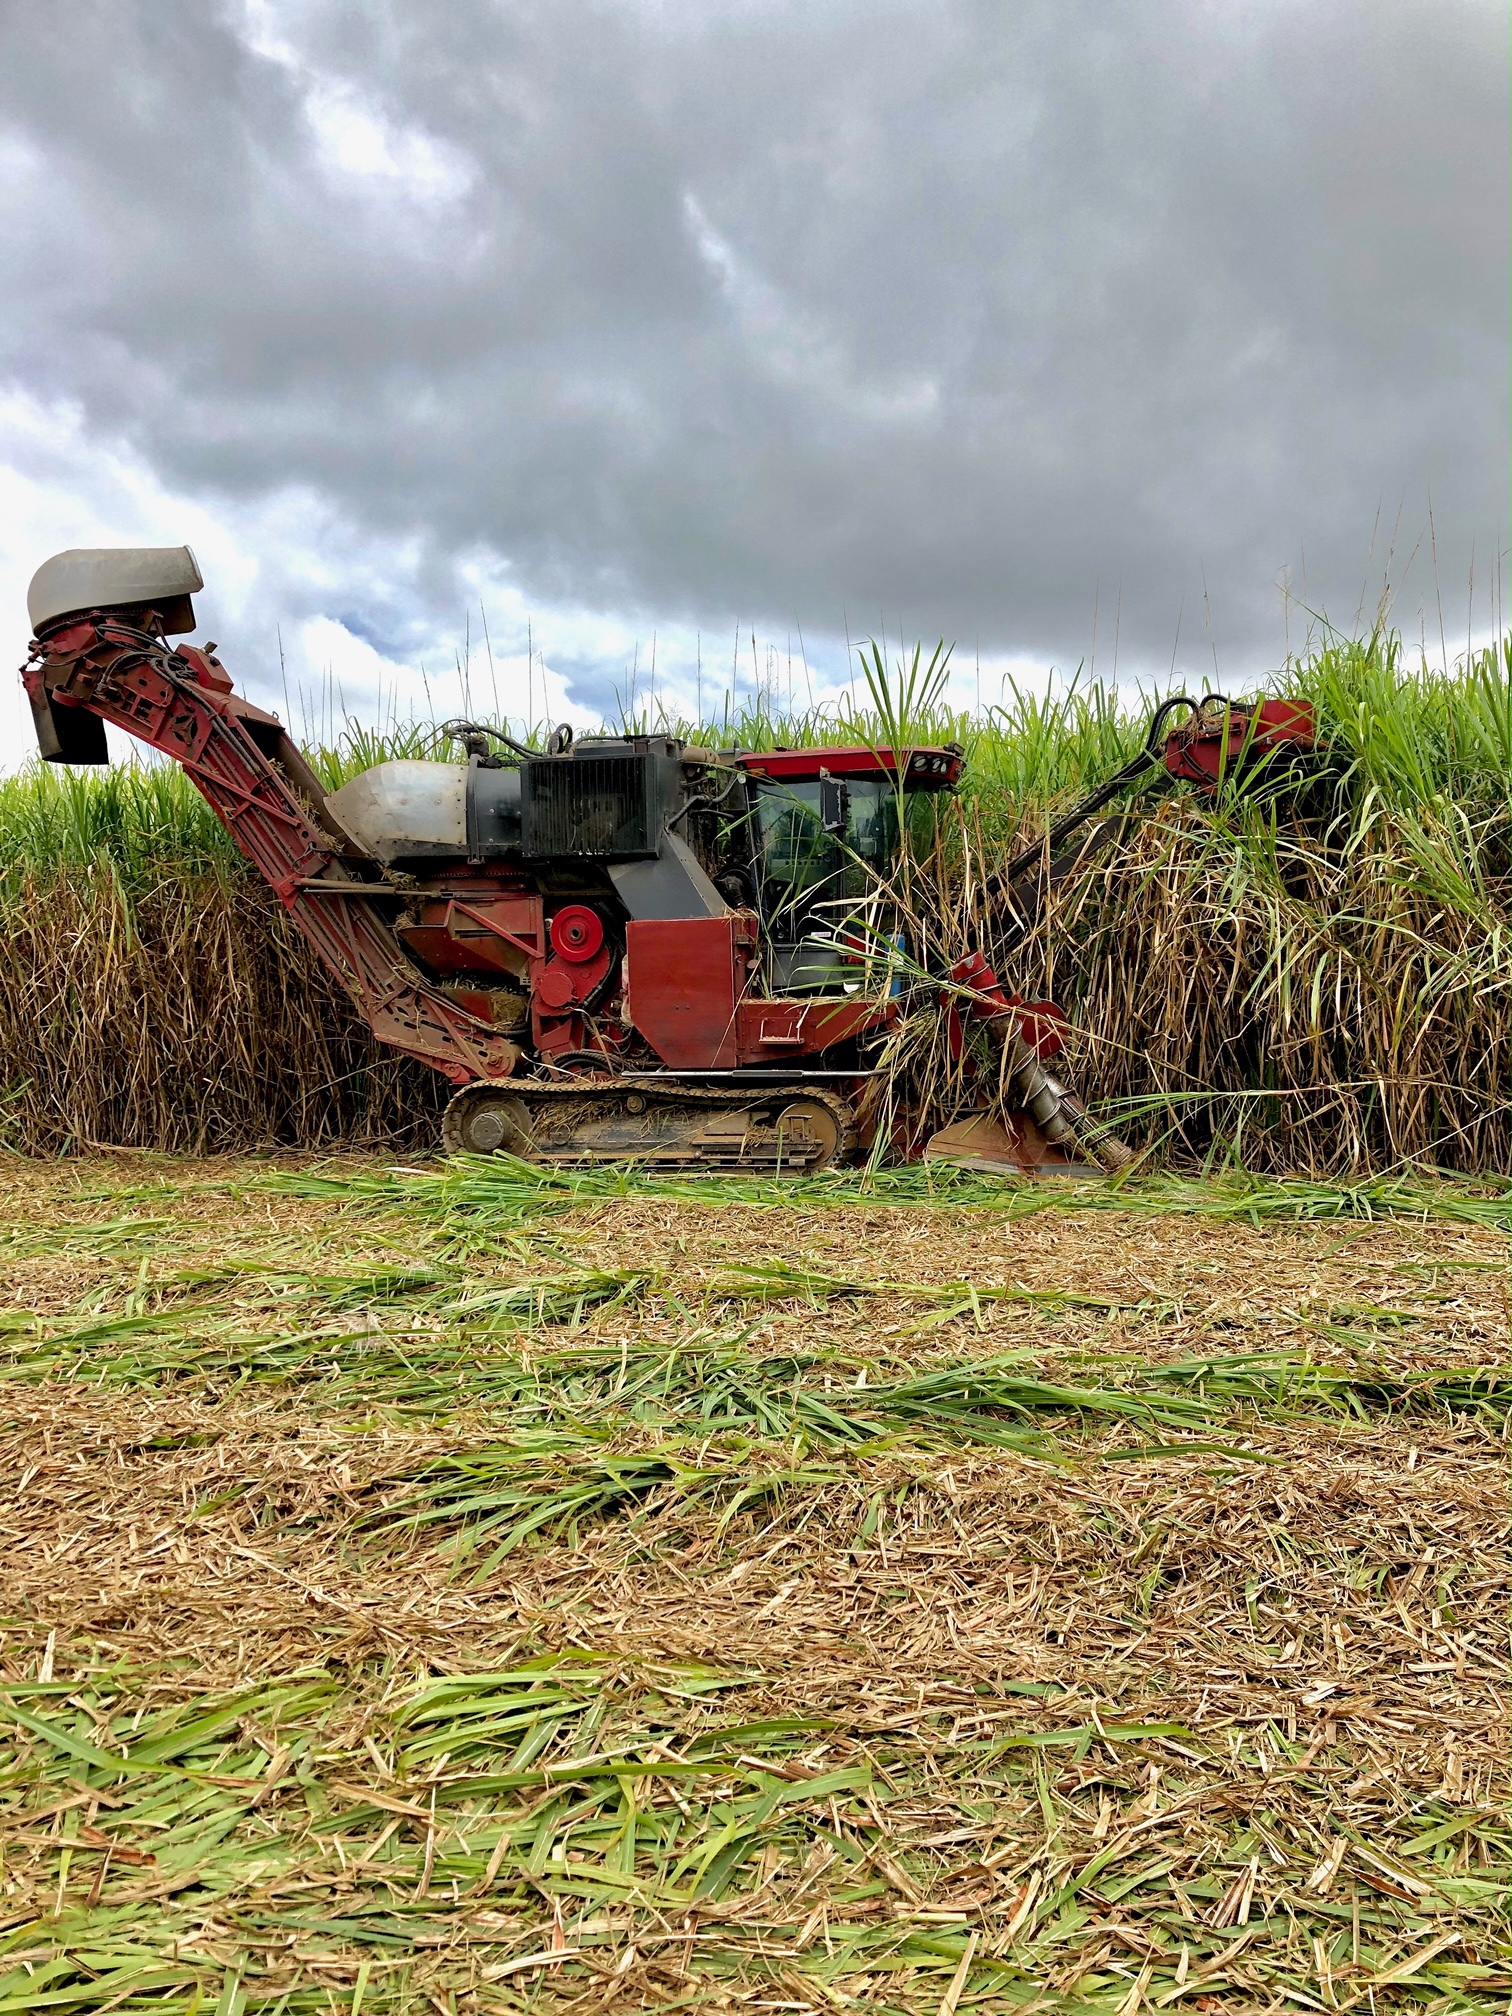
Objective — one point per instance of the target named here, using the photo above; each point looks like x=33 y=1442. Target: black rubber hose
x=459 y=731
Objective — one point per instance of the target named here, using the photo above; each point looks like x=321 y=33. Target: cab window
x=803 y=867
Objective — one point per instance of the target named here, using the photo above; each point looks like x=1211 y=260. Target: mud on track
x=419 y=1596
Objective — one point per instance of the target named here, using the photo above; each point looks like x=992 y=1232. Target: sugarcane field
x=522 y=1497
x=755 y=1008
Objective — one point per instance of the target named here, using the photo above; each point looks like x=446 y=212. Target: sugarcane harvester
x=618 y=949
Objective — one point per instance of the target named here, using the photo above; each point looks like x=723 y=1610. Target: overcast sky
x=1027 y=325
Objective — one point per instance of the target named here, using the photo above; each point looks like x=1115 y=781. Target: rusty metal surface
x=1007 y=1145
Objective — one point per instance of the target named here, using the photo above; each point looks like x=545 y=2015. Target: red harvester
x=621 y=949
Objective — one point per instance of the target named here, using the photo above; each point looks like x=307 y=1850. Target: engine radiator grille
x=598 y=807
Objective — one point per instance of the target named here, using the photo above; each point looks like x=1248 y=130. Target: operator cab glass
x=814 y=846
x=811 y=880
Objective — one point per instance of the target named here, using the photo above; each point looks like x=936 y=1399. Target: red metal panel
x=927 y=769
x=484 y=934
x=1278 y=721
x=683 y=978
x=1210 y=746
x=776 y=1032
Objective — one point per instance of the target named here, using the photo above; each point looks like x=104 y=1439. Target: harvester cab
x=823 y=829
x=616 y=949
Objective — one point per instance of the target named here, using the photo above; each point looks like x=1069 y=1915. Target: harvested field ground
x=467 y=1591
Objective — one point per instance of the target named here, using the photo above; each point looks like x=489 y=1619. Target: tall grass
x=1310 y=978
x=1314 y=995
x=153 y=993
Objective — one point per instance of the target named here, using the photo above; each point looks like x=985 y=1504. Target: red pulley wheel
x=576 y=932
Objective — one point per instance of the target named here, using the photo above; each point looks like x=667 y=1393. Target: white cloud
x=291 y=587
x=356 y=141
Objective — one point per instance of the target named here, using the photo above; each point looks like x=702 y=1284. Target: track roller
x=484 y=1119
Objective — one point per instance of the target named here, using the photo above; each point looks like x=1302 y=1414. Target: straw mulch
x=1106 y=1728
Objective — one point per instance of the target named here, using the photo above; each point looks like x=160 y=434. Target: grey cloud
x=939 y=313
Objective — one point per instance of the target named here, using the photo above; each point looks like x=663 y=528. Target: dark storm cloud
x=944 y=313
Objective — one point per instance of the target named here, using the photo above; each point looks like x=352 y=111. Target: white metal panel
x=103 y=577
x=406 y=811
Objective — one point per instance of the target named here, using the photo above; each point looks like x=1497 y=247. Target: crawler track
x=656 y=1123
